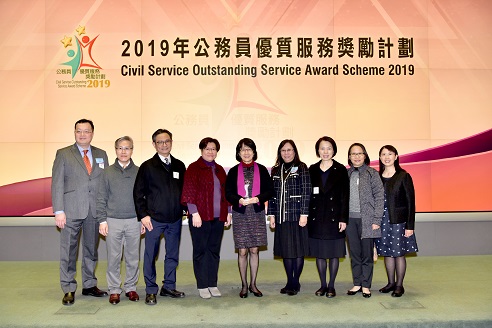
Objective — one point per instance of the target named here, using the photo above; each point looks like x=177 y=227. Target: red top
x=198 y=189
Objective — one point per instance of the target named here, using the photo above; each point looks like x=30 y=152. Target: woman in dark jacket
x=398 y=224
x=204 y=194
x=288 y=212
x=328 y=213
x=248 y=187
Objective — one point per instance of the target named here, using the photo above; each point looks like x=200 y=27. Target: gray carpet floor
x=440 y=292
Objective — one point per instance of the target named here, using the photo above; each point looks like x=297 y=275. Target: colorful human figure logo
x=82 y=55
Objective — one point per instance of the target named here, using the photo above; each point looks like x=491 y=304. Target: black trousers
x=206 y=252
x=361 y=254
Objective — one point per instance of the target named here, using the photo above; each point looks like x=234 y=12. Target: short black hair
x=327 y=139
x=205 y=141
x=160 y=131
x=248 y=143
x=84 y=120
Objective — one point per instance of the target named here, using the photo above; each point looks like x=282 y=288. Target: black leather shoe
x=150 y=299
x=257 y=293
x=320 y=292
x=330 y=292
x=366 y=295
x=68 y=299
x=171 y=293
x=353 y=292
x=94 y=291
x=243 y=293
x=399 y=291
x=284 y=290
x=388 y=288
x=291 y=292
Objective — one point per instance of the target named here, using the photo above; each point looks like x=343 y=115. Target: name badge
x=176 y=175
x=100 y=162
x=294 y=169
x=315 y=190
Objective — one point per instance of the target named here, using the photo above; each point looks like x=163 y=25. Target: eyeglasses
x=287 y=150
x=246 y=150
x=210 y=149
x=83 y=131
x=164 y=142
x=356 y=154
x=124 y=148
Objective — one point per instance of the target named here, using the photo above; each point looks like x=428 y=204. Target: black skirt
x=327 y=248
x=290 y=240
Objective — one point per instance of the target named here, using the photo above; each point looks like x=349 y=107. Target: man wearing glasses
x=118 y=221
x=157 y=195
x=75 y=176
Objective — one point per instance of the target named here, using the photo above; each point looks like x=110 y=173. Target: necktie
x=166 y=161
x=87 y=162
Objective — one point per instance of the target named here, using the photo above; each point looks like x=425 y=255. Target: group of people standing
x=312 y=211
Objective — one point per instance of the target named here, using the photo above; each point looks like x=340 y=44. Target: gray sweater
x=371 y=199
x=115 y=195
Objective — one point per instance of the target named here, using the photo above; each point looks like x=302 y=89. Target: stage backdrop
x=414 y=74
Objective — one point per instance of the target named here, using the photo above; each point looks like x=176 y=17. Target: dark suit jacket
x=400 y=197
x=266 y=189
x=73 y=190
x=157 y=190
x=331 y=204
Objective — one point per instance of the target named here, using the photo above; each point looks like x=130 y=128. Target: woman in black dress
x=248 y=187
x=288 y=212
x=328 y=213
x=398 y=224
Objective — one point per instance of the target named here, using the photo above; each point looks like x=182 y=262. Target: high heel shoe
x=320 y=292
x=243 y=293
x=399 y=291
x=257 y=293
x=353 y=292
x=388 y=288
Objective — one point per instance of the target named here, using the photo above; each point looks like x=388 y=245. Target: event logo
x=81 y=60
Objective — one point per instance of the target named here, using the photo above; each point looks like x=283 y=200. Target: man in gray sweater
x=118 y=221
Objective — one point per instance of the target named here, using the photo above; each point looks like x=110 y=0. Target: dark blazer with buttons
x=294 y=193
x=400 y=197
x=330 y=205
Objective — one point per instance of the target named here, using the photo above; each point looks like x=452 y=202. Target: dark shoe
x=171 y=293
x=291 y=292
x=150 y=299
x=243 y=293
x=114 y=299
x=68 y=299
x=330 y=292
x=366 y=295
x=257 y=293
x=284 y=290
x=320 y=292
x=94 y=291
x=132 y=296
x=399 y=291
x=353 y=292
x=388 y=288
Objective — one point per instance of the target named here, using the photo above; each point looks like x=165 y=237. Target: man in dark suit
x=75 y=177
x=157 y=195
